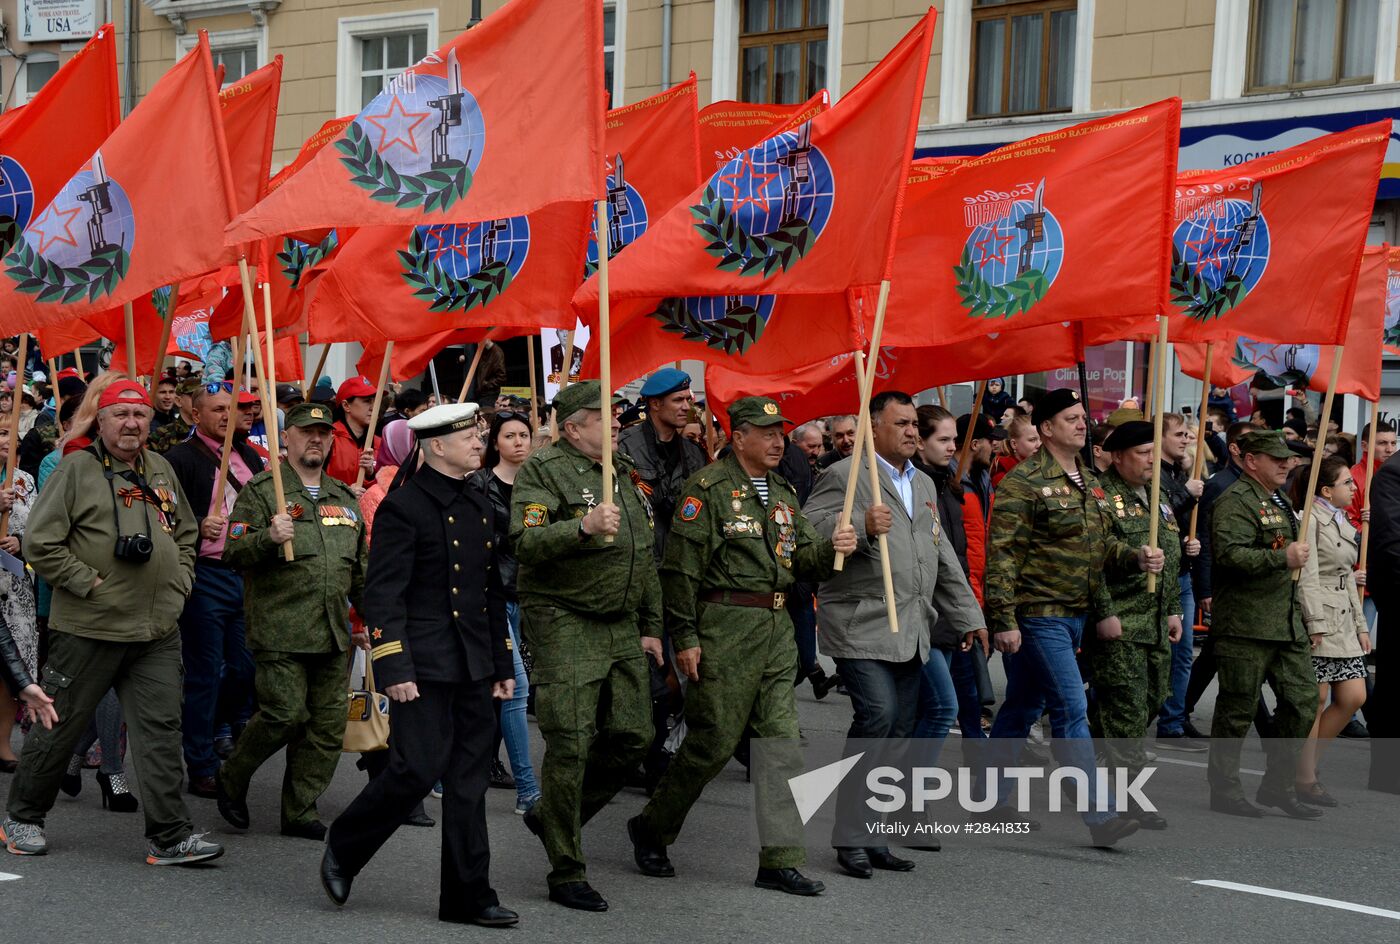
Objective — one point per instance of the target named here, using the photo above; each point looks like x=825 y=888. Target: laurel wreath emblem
x=436 y=189
x=449 y=293
x=1392 y=336
x=55 y=283
x=738 y=251
x=1196 y=298
x=982 y=299
x=735 y=333
x=298 y=257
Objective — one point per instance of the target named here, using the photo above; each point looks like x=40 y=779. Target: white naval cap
x=443 y=419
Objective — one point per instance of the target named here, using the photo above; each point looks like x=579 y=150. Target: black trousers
x=1383 y=707
x=444 y=734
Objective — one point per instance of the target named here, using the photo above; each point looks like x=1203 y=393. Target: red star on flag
x=1205 y=258
x=457 y=246
x=381 y=122
x=998 y=254
x=757 y=185
x=59 y=230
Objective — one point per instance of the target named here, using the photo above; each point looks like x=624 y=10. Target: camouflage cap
x=756 y=411
x=1268 y=442
x=584 y=395
x=310 y=414
x=189 y=386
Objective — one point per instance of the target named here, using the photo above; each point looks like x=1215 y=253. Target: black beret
x=1052 y=404
x=1129 y=435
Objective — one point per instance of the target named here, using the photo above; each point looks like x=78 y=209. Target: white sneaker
x=23 y=838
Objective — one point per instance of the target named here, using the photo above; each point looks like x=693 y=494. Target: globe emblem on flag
x=16 y=199
x=461 y=266
x=627 y=218
x=80 y=245
x=1284 y=364
x=766 y=208
x=1219 y=254
x=419 y=143
x=728 y=323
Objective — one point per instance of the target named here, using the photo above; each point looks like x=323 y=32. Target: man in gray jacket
x=882 y=669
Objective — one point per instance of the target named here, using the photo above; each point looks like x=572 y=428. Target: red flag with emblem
x=137 y=216
x=47 y=141
x=249 y=110
x=810 y=211
x=504 y=119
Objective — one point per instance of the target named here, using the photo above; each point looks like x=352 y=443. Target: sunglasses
x=505 y=415
x=218 y=387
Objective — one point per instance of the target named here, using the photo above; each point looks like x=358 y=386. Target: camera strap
x=129 y=475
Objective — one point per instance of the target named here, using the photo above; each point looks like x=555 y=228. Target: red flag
x=504 y=119
x=411 y=355
x=1310 y=365
x=728 y=129
x=1036 y=232
x=330 y=131
x=148 y=314
x=249 y=109
x=828 y=388
x=142 y=213
x=47 y=141
x=1270 y=249
x=1392 y=302
x=810 y=211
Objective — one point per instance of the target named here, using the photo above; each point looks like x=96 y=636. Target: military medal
x=1047 y=491
x=588 y=498
x=295 y=511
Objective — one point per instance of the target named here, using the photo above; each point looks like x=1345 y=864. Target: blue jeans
x=1044 y=674
x=938 y=703
x=515 y=731
x=1172 y=718
x=218 y=666
x=964 y=669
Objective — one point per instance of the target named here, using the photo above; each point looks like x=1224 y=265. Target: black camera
x=134 y=548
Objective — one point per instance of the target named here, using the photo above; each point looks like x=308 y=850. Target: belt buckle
x=779 y=600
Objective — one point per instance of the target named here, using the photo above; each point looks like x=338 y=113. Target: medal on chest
x=588 y=498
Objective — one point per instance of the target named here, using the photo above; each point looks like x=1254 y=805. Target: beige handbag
x=367 y=728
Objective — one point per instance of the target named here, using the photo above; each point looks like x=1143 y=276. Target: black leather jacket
x=498 y=494
x=12 y=667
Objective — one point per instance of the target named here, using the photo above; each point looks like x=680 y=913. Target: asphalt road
x=95 y=886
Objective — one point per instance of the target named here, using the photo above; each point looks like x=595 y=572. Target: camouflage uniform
x=1258 y=625
x=1131 y=675
x=169 y=436
x=584 y=605
x=724 y=541
x=298 y=630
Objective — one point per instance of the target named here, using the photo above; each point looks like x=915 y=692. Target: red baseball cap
x=247 y=397
x=355 y=387
x=67 y=372
x=123 y=391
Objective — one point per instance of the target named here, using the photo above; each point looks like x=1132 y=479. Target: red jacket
x=1002 y=465
x=344 y=462
x=975 y=527
x=1358 y=504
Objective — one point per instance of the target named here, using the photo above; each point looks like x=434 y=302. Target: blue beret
x=666 y=381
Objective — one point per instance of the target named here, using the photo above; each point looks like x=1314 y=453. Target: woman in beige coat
x=1332 y=613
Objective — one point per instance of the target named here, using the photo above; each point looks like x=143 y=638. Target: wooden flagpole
x=971 y=425
x=1158 y=372
x=378 y=402
x=471 y=371
x=309 y=382
x=866 y=382
x=130 y=321
x=216 y=499
x=534 y=390
x=53 y=385
x=1305 y=527
x=166 y=326
x=12 y=456
x=1366 y=490
x=891 y=607
x=604 y=360
x=1200 y=464
x=709 y=422
x=1149 y=398
x=268 y=384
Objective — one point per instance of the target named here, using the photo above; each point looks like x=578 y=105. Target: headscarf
x=395 y=445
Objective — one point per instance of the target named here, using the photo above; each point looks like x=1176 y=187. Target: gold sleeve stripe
x=388 y=649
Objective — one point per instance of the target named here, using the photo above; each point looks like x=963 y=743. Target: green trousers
x=747 y=663
x=593 y=706
x=148 y=677
x=1244 y=666
x=302 y=707
x=1131 y=680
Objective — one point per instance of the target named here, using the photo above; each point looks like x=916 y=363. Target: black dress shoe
x=419 y=818
x=1235 y=806
x=333 y=880
x=235 y=812
x=1288 y=803
x=578 y=895
x=492 y=916
x=500 y=777
x=1110 y=832
x=315 y=830
x=651 y=860
x=855 y=861
x=1148 y=819
x=790 y=881
x=887 y=861
x=204 y=787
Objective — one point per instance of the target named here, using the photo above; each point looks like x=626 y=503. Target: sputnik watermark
x=934 y=784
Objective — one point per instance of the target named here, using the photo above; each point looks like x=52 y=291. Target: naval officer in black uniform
x=436 y=615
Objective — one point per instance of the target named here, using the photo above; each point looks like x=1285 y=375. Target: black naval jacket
x=434 y=606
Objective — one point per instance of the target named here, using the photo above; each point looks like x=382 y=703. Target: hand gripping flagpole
x=1200 y=463
x=891 y=608
x=12 y=456
x=1305 y=527
x=863 y=417
x=1159 y=368
x=605 y=359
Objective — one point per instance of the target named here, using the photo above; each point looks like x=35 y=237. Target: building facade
x=1256 y=75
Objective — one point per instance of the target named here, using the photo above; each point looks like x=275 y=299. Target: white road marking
x=1195 y=763
x=7 y=877
x=1295 y=896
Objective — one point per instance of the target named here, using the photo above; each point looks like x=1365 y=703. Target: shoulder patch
x=534 y=515
x=236 y=530
x=690 y=508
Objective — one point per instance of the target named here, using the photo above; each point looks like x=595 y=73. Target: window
x=1307 y=43
x=782 y=50
x=372 y=50
x=383 y=57
x=38 y=69
x=237 y=61
x=610 y=52
x=1022 y=57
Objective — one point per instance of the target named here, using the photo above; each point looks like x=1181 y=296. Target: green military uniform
x=1257 y=624
x=1131 y=675
x=169 y=435
x=585 y=603
x=298 y=627
x=729 y=561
